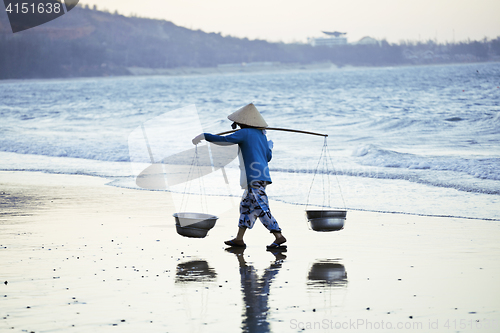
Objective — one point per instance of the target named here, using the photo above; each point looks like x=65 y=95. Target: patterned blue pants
x=255 y=204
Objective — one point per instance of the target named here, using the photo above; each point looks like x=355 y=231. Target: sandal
x=277 y=244
x=276 y=247
x=235 y=242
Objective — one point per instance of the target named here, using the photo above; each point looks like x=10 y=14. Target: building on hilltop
x=334 y=39
x=337 y=38
x=367 y=41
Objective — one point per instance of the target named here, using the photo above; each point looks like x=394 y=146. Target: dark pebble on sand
x=368 y=308
x=411 y=317
x=6 y=282
x=314 y=310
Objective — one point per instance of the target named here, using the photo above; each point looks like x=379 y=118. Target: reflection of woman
x=256 y=153
x=256 y=291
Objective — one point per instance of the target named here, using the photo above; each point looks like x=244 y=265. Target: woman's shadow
x=256 y=290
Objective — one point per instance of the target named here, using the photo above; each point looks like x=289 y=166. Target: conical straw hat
x=248 y=115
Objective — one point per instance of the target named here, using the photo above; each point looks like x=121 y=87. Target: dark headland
x=89 y=42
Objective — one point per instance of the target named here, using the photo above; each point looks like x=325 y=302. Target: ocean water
x=413 y=140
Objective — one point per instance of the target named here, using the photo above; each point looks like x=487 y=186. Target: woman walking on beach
x=256 y=152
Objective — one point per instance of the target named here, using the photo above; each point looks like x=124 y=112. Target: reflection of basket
x=329 y=273
x=326 y=220
x=194 y=224
x=194 y=271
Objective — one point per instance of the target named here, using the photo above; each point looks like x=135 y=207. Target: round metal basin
x=326 y=220
x=194 y=225
x=191 y=232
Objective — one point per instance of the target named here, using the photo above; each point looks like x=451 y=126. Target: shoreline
x=108 y=181
x=80 y=255
x=204 y=71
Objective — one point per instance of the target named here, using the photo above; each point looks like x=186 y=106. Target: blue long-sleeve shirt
x=254 y=150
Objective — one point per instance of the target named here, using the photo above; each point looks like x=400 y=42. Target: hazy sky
x=295 y=20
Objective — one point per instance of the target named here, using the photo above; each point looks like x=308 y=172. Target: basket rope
x=326 y=161
x=194 y=167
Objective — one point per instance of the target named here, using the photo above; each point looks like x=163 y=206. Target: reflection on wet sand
x=328 y=278
x=256 y=291
x=195 y=305
x=194 y=271
x=327 y=273
x=325 y=277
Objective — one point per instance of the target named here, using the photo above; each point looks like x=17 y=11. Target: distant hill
x=88 y=42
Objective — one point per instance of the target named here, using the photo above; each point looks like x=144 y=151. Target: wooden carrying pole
x=279 y=129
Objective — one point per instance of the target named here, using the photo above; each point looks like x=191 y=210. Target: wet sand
x=79 y=256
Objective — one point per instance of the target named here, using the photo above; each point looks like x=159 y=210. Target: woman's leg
x=264 y=213
x=247 y=219
x=241 y=233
